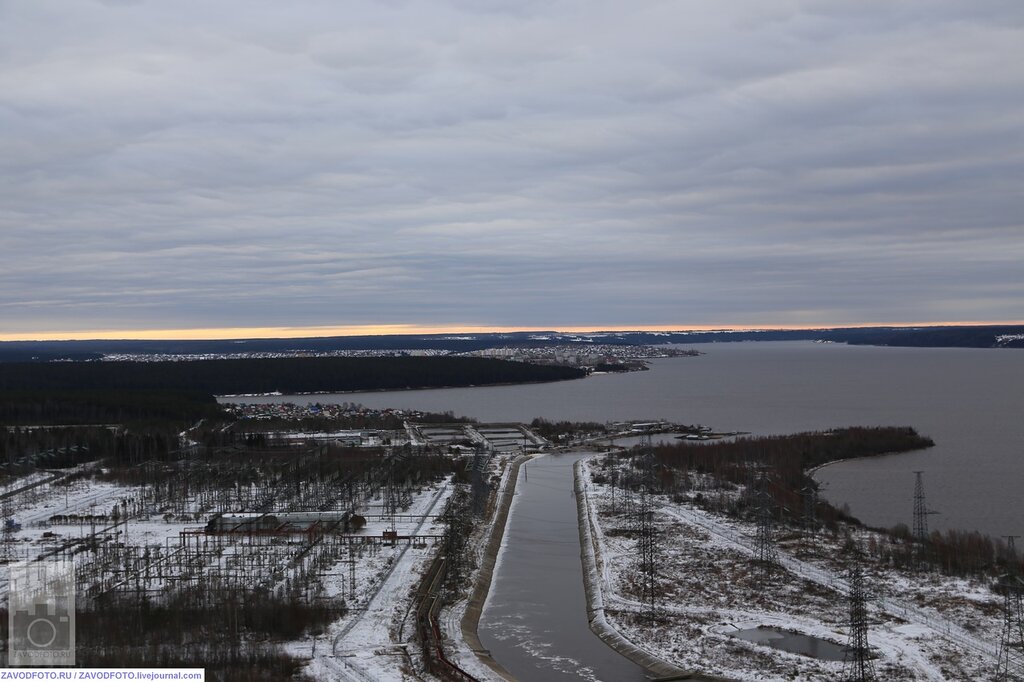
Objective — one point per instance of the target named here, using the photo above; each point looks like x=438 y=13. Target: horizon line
x=247 y=333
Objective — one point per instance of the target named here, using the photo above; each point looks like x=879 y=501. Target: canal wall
x=482 y=585
x=590 y=555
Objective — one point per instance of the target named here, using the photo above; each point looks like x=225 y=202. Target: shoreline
x=924 y=623
x=659 y=668
x=278 y=394
x=815 y=469
x=470 y=622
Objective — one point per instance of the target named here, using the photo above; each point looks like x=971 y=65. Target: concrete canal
x=535 y=619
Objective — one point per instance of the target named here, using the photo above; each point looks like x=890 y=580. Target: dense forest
x=944 y=337
x=23 y=450
x=60 y=407
x=779 y=463
x=85 y=425
x=286 y=375
x=787 y=458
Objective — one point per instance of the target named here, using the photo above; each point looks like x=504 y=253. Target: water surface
x=535 y=619
x=970 y=401
x=795 y=643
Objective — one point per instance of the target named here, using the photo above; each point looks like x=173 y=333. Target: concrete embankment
x=475 y=606
x=590 y=554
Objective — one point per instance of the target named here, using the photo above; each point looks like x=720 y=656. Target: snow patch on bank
x=710 y=590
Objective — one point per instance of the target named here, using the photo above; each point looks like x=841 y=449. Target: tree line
x=285 y=375
x=786 y=459
x=783 y=462
x=74 y=405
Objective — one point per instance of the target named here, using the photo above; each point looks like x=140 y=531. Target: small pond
x=795 y=643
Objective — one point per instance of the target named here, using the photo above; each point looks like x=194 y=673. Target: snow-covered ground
x=370 y=642
x=923 y=627
x=459 y=651
x=376 y=641
x=19 y=482
x=376 y=580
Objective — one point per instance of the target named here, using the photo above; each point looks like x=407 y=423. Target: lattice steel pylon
x=481 y=491
x=648 y=539
x=767 y=554
x=391 y=495
x=648 y=551
x=810 y=495
x=920 y=510
x=8 y=532
x=647 y=464
x=1010 y=665
x=857 y=664
x=921 y=513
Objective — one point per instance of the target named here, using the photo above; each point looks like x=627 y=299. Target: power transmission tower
x=810 y=514
x=920 y=510
x=767 y=555
x=626 y=492
x=752 y=490
x=390 y=496
x=921 y=513
x=1010 y=665
x=647 y=466
x=857 y=665
x=455 y=540
x=478 y=485
x=641 y=509
x=648 y=551
x=646 y=442
x=810 y=494
x=351 y=573
x=614 y=481
x=8 y=531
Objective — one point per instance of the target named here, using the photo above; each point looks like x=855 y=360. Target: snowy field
x=373 y=641
x=376 y=641
x=376 y=579
x=924 y=627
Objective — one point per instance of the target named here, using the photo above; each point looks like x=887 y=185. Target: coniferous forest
x=285 y=375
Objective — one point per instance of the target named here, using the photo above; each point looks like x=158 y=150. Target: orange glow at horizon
x=228 y=333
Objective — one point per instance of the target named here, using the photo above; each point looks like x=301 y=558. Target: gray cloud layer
x=528 y=163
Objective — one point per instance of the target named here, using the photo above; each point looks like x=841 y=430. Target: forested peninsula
x=284 y=375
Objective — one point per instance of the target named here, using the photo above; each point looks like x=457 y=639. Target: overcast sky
x=524 y=163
